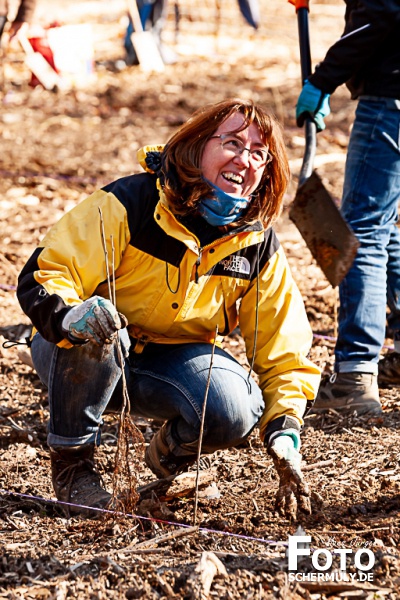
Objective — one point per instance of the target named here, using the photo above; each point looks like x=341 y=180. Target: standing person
x=367 y=58
x=24 y=15
x=192 y=240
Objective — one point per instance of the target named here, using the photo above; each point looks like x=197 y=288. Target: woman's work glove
x=293 y=493
x=312 y=103
x=95 y=320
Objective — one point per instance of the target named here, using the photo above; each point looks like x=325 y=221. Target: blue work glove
x=293 y=493
x=312 y=103
x=95 y=320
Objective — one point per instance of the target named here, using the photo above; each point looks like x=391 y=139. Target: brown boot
x=159 y=458
x=389 y=369
x=347 y=393
x=76 y=480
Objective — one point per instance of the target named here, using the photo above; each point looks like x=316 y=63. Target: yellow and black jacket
x=172 y=289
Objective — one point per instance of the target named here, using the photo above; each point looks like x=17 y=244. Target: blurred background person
x=367 y=59
x=194 y=237
x=152 y=15
x=24 y=14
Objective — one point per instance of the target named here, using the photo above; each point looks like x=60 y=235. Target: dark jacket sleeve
x=70 y=264
x=368 y=24
x=45 y=310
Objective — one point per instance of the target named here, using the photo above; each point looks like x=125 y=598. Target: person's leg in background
x=153 y=14
x=389 y=365
x=145 y=8
x=3 y=21
x=370 y=198
x=158 y=18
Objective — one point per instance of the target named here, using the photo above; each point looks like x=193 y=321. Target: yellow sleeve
x=71 y=262
x=287 y=377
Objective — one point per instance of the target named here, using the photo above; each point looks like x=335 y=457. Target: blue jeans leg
x=167 y=383
x=393 y=283
x=80 y=382
x=370 y=203
x=172 y=386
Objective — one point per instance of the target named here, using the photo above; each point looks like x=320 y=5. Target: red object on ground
x=41 y=45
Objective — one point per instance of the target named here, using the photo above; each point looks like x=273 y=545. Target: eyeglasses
x=259 y=157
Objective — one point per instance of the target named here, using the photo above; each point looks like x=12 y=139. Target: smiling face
x=233 y=174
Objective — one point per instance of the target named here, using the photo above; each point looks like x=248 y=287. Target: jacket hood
x=149 y=158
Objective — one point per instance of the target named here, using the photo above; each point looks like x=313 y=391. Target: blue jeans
x=370 y=205
x=165 y=382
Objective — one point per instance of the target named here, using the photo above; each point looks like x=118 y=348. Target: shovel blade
x=147 y=51
x=329 y=238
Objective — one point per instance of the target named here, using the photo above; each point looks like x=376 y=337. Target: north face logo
x=238 y=264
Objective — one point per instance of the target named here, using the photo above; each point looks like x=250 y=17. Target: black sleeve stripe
x=46 y=311
x=267 y=249
x=139 y=195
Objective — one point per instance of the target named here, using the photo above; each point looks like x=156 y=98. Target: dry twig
x=201 y=579
x=162 y=538
x=125 y=496
x=203 y=414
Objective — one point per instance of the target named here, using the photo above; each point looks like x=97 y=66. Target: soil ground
x=56 y=149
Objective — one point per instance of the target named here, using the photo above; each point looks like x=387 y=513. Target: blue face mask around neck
x=223 y=208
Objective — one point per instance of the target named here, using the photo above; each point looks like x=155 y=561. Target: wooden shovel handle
x=135 y=15
x=25 y=43
x=306 y=70
x=304 y=43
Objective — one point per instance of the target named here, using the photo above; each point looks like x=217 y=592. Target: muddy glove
x=293 y=493
x=95 y=320
x=312 y=103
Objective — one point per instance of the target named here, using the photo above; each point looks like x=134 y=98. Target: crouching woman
x=193 y=255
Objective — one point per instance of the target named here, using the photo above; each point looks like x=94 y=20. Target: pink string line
x=89 y=179
x=317 y=336
x=32 y=174
x=133 y=516
x=152 y=519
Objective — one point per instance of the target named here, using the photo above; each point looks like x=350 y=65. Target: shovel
x=39 y=66
x=314 y=212
x=145 y=46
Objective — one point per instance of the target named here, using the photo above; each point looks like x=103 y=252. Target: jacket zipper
x=201 y=248
x=198 y=261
